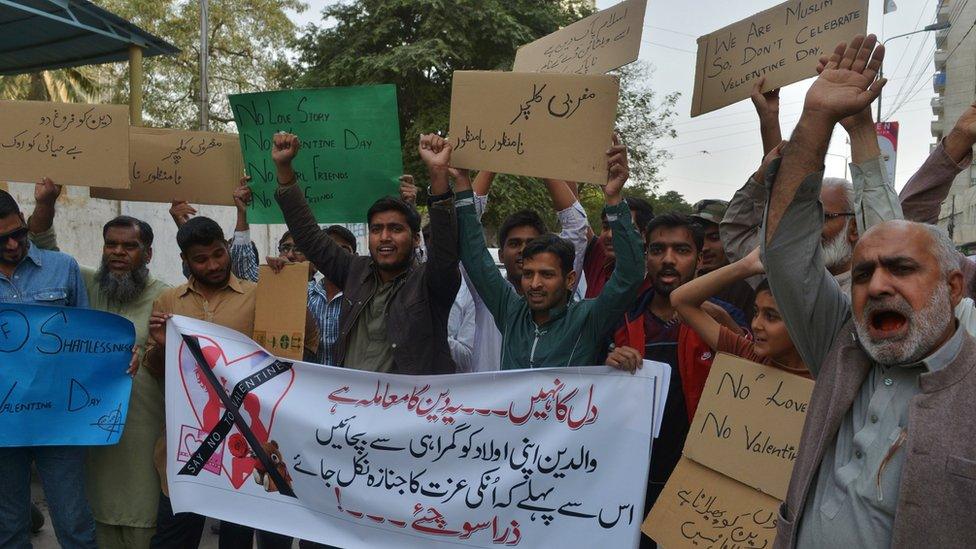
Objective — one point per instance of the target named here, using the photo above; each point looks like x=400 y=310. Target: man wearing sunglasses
x=29 y=274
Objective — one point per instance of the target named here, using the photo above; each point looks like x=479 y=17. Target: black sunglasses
x=829 y=216
x=18 y=234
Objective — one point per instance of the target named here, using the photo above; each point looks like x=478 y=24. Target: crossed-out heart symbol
x=259 y=406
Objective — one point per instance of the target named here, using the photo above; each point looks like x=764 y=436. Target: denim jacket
x=45 y=278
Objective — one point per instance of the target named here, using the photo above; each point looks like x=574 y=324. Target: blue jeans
x=62 y=470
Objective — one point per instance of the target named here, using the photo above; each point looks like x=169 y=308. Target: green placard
x=350 y=153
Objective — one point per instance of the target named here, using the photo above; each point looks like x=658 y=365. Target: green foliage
x=247 y=40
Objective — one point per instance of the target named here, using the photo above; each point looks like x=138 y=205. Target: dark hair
x=521 y=218
x=8 y=205
x=284 y=237
x=199 y=231
x=125 y=221
x=643 y=211
x=763 y=286
x=388 y=204
x=672 y=220
x=552 y=244
x=343 y=234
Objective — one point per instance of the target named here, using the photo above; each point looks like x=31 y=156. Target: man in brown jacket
x=886 y=457
x=394 y=311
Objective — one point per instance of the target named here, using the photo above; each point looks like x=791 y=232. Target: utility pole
x=952 y=218
x=204 y=55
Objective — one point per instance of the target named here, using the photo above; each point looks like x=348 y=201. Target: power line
x=671 y=30
x=668 y=47
x=912 y=38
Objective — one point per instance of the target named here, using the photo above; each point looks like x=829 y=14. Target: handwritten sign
x=749 y=422
x=72 y=143
x=597 y=44
x=737 y=459
x=539 y=125
x=62 y=375
x=702 y=509
x=782 y=43
x=530 y=458
x=350 y=152
x=279 y=310
x=199 y=167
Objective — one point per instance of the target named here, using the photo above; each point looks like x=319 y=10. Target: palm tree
x=72 y=85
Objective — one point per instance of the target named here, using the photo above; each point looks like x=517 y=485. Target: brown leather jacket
x=416 y=324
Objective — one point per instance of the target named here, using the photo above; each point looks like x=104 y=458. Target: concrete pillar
x=135 y=85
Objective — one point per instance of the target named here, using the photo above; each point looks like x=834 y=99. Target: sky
x=731 y=135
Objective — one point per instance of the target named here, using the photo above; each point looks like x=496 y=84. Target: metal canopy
x=38 y=35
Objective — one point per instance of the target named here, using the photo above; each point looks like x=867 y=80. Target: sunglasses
x=18 y=235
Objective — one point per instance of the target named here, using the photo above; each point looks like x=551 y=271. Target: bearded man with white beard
x=122 y=484
x=886 y=457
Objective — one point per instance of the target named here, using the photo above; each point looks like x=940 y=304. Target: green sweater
x=575 y=333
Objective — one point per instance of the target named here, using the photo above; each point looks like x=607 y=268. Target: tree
x=77 y=84
x=247 y=43
x=418 y=44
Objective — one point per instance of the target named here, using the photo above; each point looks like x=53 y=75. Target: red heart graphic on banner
x=257 y=412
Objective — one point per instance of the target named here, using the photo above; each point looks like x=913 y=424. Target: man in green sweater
x=543 y=328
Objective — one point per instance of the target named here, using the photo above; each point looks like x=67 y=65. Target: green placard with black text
x=350 y=153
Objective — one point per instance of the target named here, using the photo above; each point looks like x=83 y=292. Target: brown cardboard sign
x=165 y=165
x=280 y=310
x=72 y=143
x=555 y=126
x=748 y=423
x=597 y=44
x=700 y=508
x=783 y=43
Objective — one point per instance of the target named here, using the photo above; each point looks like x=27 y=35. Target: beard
x=124 y=287
x=925 y=328
x=839 y=251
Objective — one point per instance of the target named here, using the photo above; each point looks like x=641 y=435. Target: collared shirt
x=487 y=345
x=232 y=307
x=857 y=486
x=853 y=501
x=326 y=314
x=369 y=347
x=45 y=278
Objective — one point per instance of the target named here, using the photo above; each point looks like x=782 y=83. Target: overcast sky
x=731 y=135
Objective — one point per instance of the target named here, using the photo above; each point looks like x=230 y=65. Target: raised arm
x=443 y=277
x=813 y=305
x=921 y=199
x=743 y=219
x=688 y=298
x=41 y=223
x=767 y=107
x=331 y=260
x=629 y=267
x=243 y=262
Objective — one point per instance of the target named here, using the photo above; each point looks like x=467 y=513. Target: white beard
x=925 y=328
x=839 y=251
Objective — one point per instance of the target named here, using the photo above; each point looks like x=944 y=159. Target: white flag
x=890 y=6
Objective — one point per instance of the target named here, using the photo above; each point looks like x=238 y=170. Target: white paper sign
x=532 y=458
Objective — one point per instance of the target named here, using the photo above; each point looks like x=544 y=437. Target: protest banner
x=748 y=423
x=557 y=126
x=783 y=43
x=531 y=458
x=888 y=142
x=707 y=510
x=72 y=143
x=280 y=310
x=165 y=165
x=63 y=377
x=737 y=459
x=606 y=40
x=350 y=154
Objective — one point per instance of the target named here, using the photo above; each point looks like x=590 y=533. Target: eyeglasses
x=287 y=248
x=18 y=235
x=829 y=216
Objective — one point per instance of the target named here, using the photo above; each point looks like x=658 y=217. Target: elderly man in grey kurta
x=887 y=457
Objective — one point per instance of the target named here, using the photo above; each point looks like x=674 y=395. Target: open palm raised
x=848 y=82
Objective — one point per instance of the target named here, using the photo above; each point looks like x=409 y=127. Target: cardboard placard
x=700 y=508
x=782 y=43
x=350 y=153
x=748 y=423
x=280 y=309
x=165 y=165
x=597 y=44
x=539 y=125
x=72 y=143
